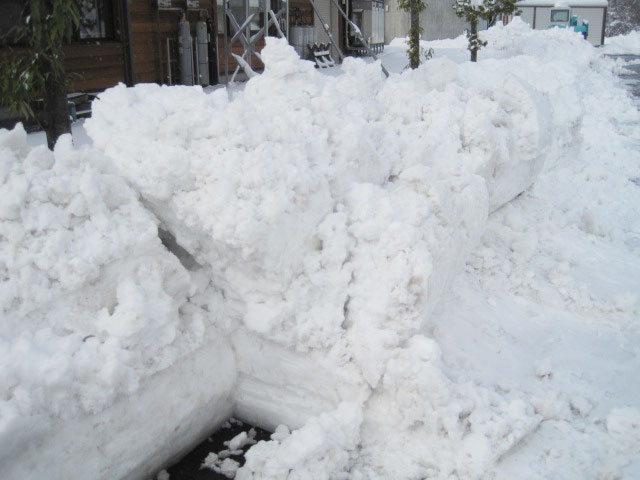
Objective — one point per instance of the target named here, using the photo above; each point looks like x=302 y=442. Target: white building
x=537 y=13
x=440 y=21
x=437 y=21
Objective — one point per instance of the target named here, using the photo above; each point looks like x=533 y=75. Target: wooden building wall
x=150 y=29
x=97 y=65
x=93 y=66
x=89 y=66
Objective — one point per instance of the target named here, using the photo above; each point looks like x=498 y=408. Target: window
x=559 y=16
x=96 y=20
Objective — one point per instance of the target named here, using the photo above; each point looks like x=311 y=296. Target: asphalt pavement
x=631 y=75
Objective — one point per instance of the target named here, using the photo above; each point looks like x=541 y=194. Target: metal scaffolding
x=356 y=30
x=247 y=21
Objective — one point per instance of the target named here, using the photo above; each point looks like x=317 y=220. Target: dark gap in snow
x=190 y=467
x=186 y=259
x=345 y=312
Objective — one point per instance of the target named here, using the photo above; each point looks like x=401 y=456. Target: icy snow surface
x=357 y=242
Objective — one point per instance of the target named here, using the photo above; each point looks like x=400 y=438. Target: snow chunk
x=92 y=304
x=322 y=449
x=624 y=422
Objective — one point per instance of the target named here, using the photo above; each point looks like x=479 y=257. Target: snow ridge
x=327 y=217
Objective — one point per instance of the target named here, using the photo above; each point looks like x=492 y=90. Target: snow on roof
x=572 y=3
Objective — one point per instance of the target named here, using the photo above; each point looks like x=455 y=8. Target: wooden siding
x=150 y=29
x=95 y=66
x=90 y=66
x=237 y=49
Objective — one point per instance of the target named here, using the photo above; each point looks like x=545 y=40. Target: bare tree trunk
x=414 y=35
x=55 y=116
x=56 y=120
x=474 y=35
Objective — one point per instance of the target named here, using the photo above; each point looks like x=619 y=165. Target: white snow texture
x=323 y=220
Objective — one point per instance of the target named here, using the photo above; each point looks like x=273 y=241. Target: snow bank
x=319 y=221
x=92 y=306
x=303 y=214
x=623 y=44
x=331 y=214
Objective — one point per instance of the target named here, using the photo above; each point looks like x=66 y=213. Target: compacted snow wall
x=95 y=323
x=319 y=221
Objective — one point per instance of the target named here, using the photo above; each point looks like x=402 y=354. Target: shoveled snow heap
x=88 y=291
x=322 y=219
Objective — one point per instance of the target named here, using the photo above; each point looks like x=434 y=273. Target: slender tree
x=475 y=10
x=472 y=11
x=623 y=17
x=414 y=7
x=496 y=8
x=40 y=73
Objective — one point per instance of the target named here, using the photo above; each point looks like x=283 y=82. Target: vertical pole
x=170 y=80
x=128 y=50
x=226 y=44
x=247 y=31
x=326 y=29
x=474 y=35
x=195 y=67
x=266 y=6
x=359 y=34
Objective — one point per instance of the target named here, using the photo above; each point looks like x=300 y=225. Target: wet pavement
x=631 y=74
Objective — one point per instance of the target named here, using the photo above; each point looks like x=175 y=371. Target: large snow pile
x=320 y=220
x=91 y=301
x=337 y=224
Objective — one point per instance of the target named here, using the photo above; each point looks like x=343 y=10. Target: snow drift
x=342 y=216
x=318 y=219
x=95 y=315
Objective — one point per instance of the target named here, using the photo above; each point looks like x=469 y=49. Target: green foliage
x=474 y=11
x=413 y=52
x=407 y=5
x=47 y=23
x=475 y=43
x=485 y=10
x=495 y=8
x=427 y=54
x=414 y=7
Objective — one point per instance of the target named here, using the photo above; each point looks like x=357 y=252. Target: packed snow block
x=93 y=306
x=248 y=189
x=454 y=430
x=277 y=386
x=324 y=448
x=411 y=238
x=485 y=120
x=557 y=89
x=252 y=190
x=332 y=226
x=138 y=434
x=403 y=244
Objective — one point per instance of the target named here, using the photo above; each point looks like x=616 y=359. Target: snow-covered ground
x=623 y=44
x=435 y=275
